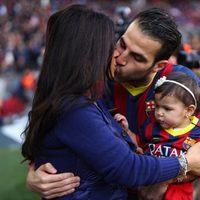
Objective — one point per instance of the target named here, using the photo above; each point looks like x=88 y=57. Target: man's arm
x=48 y=184
x=155 y=192
x=193 y=159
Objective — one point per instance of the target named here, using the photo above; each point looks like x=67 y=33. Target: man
x=141 y=58
x=143 y=53
x=144 y=50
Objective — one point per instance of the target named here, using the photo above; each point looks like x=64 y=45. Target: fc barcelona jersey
x=169 y=142
x=165 y=143
x=138 y=108
x=139 y=111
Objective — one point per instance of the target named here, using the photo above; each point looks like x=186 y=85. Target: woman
x=69 y=127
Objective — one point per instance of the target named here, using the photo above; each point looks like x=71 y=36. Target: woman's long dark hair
x=78 y=53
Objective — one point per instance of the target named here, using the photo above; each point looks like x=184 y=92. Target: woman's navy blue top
x=89 y=142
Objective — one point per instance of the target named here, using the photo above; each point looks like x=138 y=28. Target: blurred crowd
x=22 y=32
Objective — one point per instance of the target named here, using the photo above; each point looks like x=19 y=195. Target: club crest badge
x=188 y=143
x=150 y=105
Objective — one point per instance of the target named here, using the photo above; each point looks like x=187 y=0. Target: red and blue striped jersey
x=165 y=143
x=139 y=109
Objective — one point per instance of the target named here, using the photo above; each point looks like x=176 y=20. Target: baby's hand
x=139 y=150
x=122 y=120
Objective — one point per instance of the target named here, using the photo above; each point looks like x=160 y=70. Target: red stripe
x=120 y=99
x=148 y=135
x=167 y=70
x=142 y=109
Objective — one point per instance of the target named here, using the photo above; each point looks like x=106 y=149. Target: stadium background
x=22 y=33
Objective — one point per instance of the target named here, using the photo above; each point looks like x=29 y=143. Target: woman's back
x=75 y=144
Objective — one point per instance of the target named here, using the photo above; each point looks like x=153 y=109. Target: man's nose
x=121 y=59
x=116 y=52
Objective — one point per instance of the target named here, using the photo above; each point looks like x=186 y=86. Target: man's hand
x=48 y=184
x=193 y=158
x=152 y=192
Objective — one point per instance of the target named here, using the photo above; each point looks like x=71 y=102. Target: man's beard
x=137 y=81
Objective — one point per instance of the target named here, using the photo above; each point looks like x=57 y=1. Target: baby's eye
x=168 y=109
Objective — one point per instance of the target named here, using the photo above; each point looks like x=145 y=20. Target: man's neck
x=143 y=82
x=135 y=90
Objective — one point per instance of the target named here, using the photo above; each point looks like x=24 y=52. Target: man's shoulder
x=175 y=67
x=179 y=68
x=186 y=70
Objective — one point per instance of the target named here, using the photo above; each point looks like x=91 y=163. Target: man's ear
x=159 y=65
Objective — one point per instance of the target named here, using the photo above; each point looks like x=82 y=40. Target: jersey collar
x=194 y=121
x=134 y=91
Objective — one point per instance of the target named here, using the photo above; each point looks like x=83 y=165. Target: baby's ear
x=190 y=110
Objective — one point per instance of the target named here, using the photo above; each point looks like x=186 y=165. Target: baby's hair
x=170 y=88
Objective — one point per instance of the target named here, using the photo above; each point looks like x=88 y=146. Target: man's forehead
x=139 y=42
x=133 y=25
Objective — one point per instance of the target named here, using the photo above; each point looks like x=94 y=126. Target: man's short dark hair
x=159 y=25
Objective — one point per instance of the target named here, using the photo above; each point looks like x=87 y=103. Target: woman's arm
x=118 y=163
